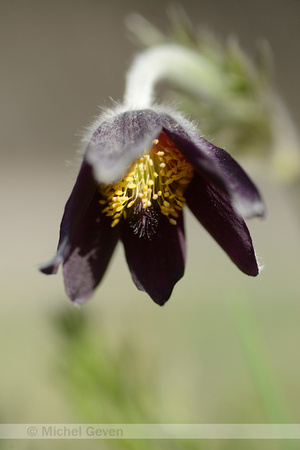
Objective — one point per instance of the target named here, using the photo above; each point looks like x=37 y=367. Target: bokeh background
x=225 y=348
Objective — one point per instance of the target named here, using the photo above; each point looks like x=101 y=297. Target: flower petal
x=215 y=212
x=217 y=166
x=157 y=264
x=75 y=209
x=90 y=251
x=121 y=140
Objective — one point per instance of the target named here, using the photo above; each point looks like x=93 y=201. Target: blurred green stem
x=256 y=357
x=262 y=373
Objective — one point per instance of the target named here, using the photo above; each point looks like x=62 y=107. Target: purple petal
x=120 y=141
x=75 y=209
x=216 y=166
x=90 y=252
x=157 y=264
x=245 y=194
x=216 y=214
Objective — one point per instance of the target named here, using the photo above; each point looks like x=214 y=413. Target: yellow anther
x=115 y=222
x=173 y=221
x=184 y=181
x=130 y=203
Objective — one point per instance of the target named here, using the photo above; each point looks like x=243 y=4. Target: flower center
x=154 y=183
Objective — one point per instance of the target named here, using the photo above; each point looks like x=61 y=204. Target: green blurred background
x=225 y=348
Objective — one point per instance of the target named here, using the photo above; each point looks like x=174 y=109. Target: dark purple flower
x=139 y=169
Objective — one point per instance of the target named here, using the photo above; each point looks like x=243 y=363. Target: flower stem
x=172 y=63
x=262 y=372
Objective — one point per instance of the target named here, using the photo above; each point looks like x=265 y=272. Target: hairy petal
x=157 y=264
x=215 y=212
x=246 y=196
x=216 y=166
x=120 y=141
x=75 y=209
x=90 y=252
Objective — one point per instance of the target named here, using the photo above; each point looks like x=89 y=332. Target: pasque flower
x=141 y=166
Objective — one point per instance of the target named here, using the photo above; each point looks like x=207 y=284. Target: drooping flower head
x=142 y=164
x=139 y=169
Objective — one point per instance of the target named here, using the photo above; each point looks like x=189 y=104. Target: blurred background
x=225 y=348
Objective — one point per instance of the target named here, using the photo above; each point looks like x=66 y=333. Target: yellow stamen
x=114 y=222
x=130 y=203
x=161 y=173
